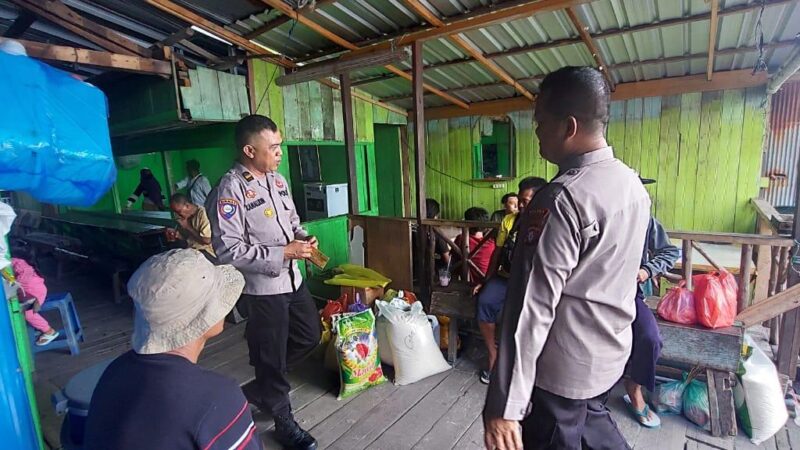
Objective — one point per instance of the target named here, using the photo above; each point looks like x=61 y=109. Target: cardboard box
x=368 y=295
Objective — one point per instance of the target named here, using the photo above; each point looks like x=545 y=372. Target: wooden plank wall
x=703 y=148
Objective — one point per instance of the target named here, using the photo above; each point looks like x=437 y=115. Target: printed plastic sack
x=357 y=351
x=678 y=305
x=759 y=398
x=414 y=352
x=715 y=299
x=382 y=326
x=668 y=397
x=695 y=404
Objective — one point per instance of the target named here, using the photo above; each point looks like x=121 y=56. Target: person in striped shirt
x=156 y=396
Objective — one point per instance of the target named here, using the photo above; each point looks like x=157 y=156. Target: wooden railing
x=465 y=254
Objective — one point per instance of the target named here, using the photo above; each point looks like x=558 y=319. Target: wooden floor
x=441 y=412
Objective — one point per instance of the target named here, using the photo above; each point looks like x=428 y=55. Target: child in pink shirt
x=32 y=287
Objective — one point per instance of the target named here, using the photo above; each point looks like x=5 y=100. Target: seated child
x=483 y=256
x=31 y=287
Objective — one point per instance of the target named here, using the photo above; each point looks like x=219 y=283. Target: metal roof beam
x=432 y=19
x=712 y=38
x=588 y=40
x=284 y=8
x=741 y=9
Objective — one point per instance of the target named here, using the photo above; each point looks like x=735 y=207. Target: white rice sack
x=759 y=401
x=384 y=348
x=414 y=352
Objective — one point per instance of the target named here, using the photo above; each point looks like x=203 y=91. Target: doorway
x=389 y=170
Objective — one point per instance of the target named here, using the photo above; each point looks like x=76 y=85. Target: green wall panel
x=704 y=149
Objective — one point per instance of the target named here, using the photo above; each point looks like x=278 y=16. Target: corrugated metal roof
x=783 y=146
x=524 y=48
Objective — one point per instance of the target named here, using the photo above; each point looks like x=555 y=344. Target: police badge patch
x=227 y=207
x=538 y=218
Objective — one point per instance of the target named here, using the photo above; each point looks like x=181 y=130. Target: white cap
x=179 y=295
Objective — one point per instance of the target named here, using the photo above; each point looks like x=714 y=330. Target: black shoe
x=485 y=376
x=289 y=434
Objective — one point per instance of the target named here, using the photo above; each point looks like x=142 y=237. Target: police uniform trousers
x=646 y=346
x=558 y=423
x=281 y=331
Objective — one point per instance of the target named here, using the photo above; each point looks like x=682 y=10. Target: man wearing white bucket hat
x=156 y=396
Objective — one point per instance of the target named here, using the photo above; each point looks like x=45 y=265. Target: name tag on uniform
x=253 y=205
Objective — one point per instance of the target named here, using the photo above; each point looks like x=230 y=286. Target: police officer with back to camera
x=255 y=227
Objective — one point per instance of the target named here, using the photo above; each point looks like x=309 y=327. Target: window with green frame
x=494 y=155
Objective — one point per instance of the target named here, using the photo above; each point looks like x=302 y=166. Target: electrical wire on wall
x=761 y=63
x=274 y=74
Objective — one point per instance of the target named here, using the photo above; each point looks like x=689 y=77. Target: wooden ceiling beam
x=712 y=38
x=604 y=35
x=93 y=58
x=192 y=18
x=58 y=13
x=195 y=19
x=174 y=38
x=587 y=39
x=497 y=14
x=627 y=65
x=21 y=24
x=430 y=17
x=280 y=20
x=333 y=37
x=734 y=79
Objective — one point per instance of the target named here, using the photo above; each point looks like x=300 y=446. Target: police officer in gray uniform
x=566 y=327
x=255 y=227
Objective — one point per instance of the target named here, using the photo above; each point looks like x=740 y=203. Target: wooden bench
x=718 y=352
x=456 y=303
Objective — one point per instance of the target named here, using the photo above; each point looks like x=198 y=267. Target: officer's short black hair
x=250 y=126
x=179 y=199
x=534 y=183
x=507 y=196
x=580 y=92
x=193 y=165
x=432 y=208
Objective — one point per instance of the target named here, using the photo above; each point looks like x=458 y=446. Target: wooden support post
x=712 y=38
x=464 y=254
x=349 y=141
x=686 y=262
x=405 y=166
x=418 y=116
x=790 y=323
x=745 y=267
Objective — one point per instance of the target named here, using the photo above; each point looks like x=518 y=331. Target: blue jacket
x=659 y=255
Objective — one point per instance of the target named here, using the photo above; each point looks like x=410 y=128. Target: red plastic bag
x=678 y=305
x=715 y=298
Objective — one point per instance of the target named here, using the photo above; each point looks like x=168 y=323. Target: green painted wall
x=703 y=148
x=388 y=165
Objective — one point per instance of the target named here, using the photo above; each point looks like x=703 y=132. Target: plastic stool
x=74 y=401
x=71 y=334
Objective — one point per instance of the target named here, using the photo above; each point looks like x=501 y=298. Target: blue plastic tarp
x=54 y=139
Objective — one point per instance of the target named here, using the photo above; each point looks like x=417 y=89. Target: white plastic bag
x=413 y=351
x=758 y=398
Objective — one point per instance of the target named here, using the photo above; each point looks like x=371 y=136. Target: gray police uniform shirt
x=566 y=325
x=252 y=221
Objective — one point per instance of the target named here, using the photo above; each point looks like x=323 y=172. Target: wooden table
x=455 y=302
x=729 y=256
x=109 y=223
